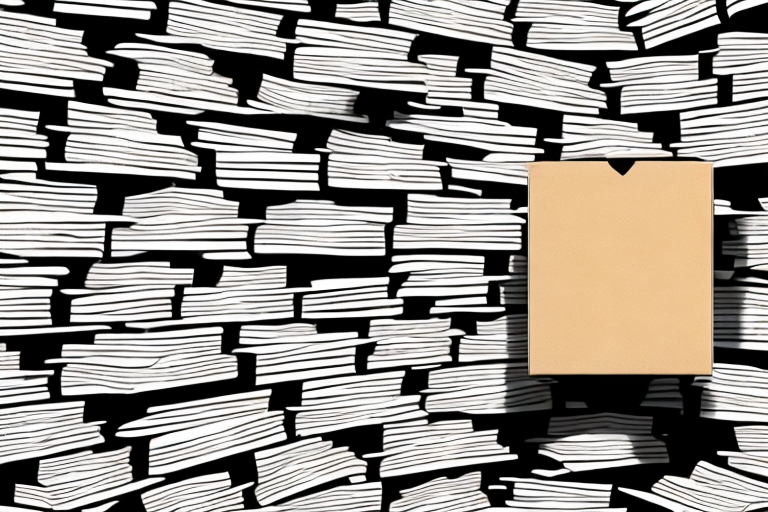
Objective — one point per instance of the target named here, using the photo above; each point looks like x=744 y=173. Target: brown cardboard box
x=620 y=268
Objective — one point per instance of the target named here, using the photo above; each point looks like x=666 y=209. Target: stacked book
x=599 y=441
x=206 y=493
x=664 y=392
x=365 y=297
x=362 y=12
x=81 y=479
x=188 y=434
x=503 y=338
x=457 y=223
x=107 y=140
x=223 y=27
x=734 y=393
x=418 y=344
x=297 y=352
x=175 y=81
x=529 y=79
x=339 y=403
x=585 y=137
x=534 y=494
x=418 y=446
x=514 y=292
x=183 y=219
x=573 y=26
x=255 y=159
x=19 y=135
x=25 y=295
x=140 y=273
x=363 y=161
x=40 y=58
x=456 y=282
x=320 y=226
x=361 y=56
x=138 y=362
x=364 y=497
x=496 y=388
x=293 y=468
x=20 y=386
x=460 y=494
x=481 y=22
x=24 y=192
x=662 y=22
x=135 y=9
x=740 y=316
x=742 y=55
x=40 y=430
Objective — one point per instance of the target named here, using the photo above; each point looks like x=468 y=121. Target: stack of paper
x=176 y=81
x=503 y=338
x=599 y=441
x=511 y=170
x=350 y=298
x=740 y=316
x=140 y=273
x=444 y=88
x=81 y=479
x=319 y=226
x=188 y=434
x=109 y=140
x=255 y=278
x=498 y=388
x=24 y=192
x=40 y=58
x=183 y=219
x=25 y=295
x=736 y=6
x=534 y=494
x=138 y=362
x=34 y=431
x=331 y=405
x=743 y=56
x=752 y=438
x=664 y=392
x=19 y=135
x=362 y=12
x=415 y=343
x=481 y=22
x=17 y=385
x=725 y=136
x=419 y=446
x=734 y=393
x=135 y=9
x=460 y=494
x=222 y=27
x=457 y=223
x=514 y=292
x=595 y=138
x=524 y=78
x=293 y=468
x=573 y=26
x=207 y=493
x=365 y=56
x=364 y=161
x=662 y=22
x=358 y=498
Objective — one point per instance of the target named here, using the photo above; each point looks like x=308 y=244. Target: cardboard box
x=620 y=268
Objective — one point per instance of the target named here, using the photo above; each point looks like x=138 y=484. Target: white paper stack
x=283 y=355
x=350 y=298
x=503 y=338
x=17 y=385
x=752 y=438
x=455 y=281
x=319 y=226
x=175 y=81
x=223 y=27
x=188 y=434
x=741 y=317
x=753 y=457
x=40 y=58
x=130 y=9
x=534 y=494
x=481 y=22
x=140 y=273
x=419 y=446
x=293 y=468
x=497 y=388
x=81 y=479
x=599 y=441
x=743 y=55
x=280 y=5
x=458 y=223
x=734 y=393
x=126 y=303
x=524 y=78
x=664 y=392
x=183 y=219
x=736 y=6
x=709 y=488
x=662 y=22
x=444 y=88
x=138 y=362
x=331 y=405
x=573 y=26
x=514 y=292
x=418 y=344
x=596 y=138
x=25 y=295
x=34 y=431
x=107 y=140
x=358 y=498
x=362 y=12
x=460 y=494
x=362 y=56
x=364 y=161
x=725 y=136
x=251 y=158
x=279 y=96
x=24 y=192
x=255 y=278
x=19 y=137
x=206 y=493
